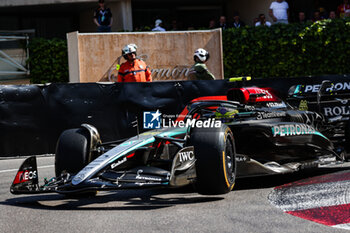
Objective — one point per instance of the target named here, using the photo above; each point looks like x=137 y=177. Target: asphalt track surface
x=246 y=209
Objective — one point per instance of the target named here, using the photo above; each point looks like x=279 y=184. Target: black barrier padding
x=70 y=105
x=32 y=117
x=24 y=124
x=112 y=108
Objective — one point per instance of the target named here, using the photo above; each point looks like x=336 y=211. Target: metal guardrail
x=18 y=69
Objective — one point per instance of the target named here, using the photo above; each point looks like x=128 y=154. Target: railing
x=11 y=67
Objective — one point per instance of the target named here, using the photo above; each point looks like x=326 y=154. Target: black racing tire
x=72 y=151
x=214 y=150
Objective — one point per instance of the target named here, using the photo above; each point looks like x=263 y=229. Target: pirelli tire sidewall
x=215 y=159
x=72 y=151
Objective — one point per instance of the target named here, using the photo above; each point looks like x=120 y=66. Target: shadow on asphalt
x=147 y=199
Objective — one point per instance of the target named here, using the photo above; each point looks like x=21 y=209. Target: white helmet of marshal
x=201 y=54
x=130 y=48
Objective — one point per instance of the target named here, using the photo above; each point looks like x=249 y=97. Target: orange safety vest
x=137 y=71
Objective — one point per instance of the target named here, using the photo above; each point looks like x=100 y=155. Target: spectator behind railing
x=158 y=26
x=279 y=11
x=301 y=17
x=174 y=25
x=237 y=22
x=262 y=21
x=323 y=13
x=103 y=17
x=212 y=24
x=332 y=15
x=255 y=20
x=222 y=23
x=317 y=16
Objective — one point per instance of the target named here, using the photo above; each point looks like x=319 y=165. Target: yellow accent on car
x=303 y=105
x=227 y=182
x=239 y=79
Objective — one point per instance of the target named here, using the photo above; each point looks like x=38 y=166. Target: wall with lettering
x=93 y=56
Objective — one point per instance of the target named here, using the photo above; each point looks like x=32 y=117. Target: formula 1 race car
x=213 y=141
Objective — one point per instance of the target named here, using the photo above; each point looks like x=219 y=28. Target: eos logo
x=24 y=176
x=29 y=175
x=185 y=156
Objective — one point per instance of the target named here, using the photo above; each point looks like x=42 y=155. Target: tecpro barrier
x=32 y=117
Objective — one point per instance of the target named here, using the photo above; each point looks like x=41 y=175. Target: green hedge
x=48 y=60
x=288 y=50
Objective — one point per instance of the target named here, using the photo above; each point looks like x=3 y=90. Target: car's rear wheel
x=215 y=159
x=72 y=151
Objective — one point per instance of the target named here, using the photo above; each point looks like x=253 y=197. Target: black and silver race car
x=213 y=141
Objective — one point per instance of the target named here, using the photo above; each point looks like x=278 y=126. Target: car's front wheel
x=215 y=159
x=72 y=151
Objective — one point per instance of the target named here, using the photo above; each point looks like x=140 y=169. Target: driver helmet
x=225 y=114
x=201 y=54
x=130 y=48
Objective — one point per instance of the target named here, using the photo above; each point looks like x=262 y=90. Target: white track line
x=343 y=226
x=14 y=170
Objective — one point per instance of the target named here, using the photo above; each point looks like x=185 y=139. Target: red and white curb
x=323 y=199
